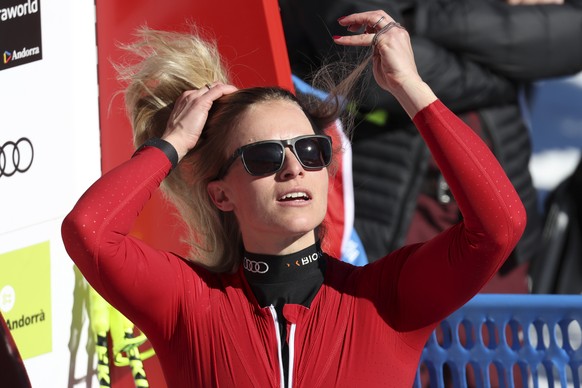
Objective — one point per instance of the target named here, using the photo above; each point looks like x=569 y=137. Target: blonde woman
x=258 y=303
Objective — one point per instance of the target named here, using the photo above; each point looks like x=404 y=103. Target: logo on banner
x=25 y=298
x=20 y=32
x=16 y=157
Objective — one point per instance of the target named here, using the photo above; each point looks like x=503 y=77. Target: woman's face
x=277 y=213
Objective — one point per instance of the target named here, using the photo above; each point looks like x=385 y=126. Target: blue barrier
x=506 y=340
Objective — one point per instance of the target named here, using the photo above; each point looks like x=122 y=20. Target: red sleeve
x=135 y=278
x=423 y=283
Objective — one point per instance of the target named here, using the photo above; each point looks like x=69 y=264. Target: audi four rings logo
x=255 y=266
x=16 y=157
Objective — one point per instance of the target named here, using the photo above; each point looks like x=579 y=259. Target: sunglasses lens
x=313 y=152
x=263 y=159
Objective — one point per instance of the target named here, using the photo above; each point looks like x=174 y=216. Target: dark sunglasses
x=267 y=157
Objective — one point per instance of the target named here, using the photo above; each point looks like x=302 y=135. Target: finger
x=354 y=40
x=210 y=85
x=191 y=99
x=219 y=89
x=368 y=19
x=373 y=23
x=212 y=91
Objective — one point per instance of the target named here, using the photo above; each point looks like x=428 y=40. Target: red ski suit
x=366 y=326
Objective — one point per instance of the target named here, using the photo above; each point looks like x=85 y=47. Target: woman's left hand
x=393 y=59
x=393 y=56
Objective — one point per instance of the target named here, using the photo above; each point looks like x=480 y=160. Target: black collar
x=259 y=268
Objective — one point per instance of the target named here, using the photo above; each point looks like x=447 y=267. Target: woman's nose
x=291 y=165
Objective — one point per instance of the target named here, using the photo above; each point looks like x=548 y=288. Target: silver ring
x=378 y=22
x=383 y=30
x=208 y=86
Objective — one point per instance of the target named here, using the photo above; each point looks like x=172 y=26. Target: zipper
x=291 y=352
x=280 y=348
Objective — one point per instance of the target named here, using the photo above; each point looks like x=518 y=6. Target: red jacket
x=366 y=326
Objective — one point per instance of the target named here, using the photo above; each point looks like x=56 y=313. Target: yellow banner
x=25 y=298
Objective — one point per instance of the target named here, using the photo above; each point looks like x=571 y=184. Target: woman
x=259 y=304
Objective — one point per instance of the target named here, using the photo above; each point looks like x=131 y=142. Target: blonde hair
x=168 y=64
x=164 y=65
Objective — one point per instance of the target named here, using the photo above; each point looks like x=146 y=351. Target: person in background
x=248 y=169
x=477 y=56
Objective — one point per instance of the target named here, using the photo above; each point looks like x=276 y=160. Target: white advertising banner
x=49 y=154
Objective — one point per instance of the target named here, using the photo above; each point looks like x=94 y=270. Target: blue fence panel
x=506 y=340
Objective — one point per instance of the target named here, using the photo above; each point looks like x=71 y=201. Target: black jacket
x=474 y=54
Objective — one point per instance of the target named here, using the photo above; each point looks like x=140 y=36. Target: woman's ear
x=219 y=196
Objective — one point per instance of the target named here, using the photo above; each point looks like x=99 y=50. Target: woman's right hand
x=190 y=114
